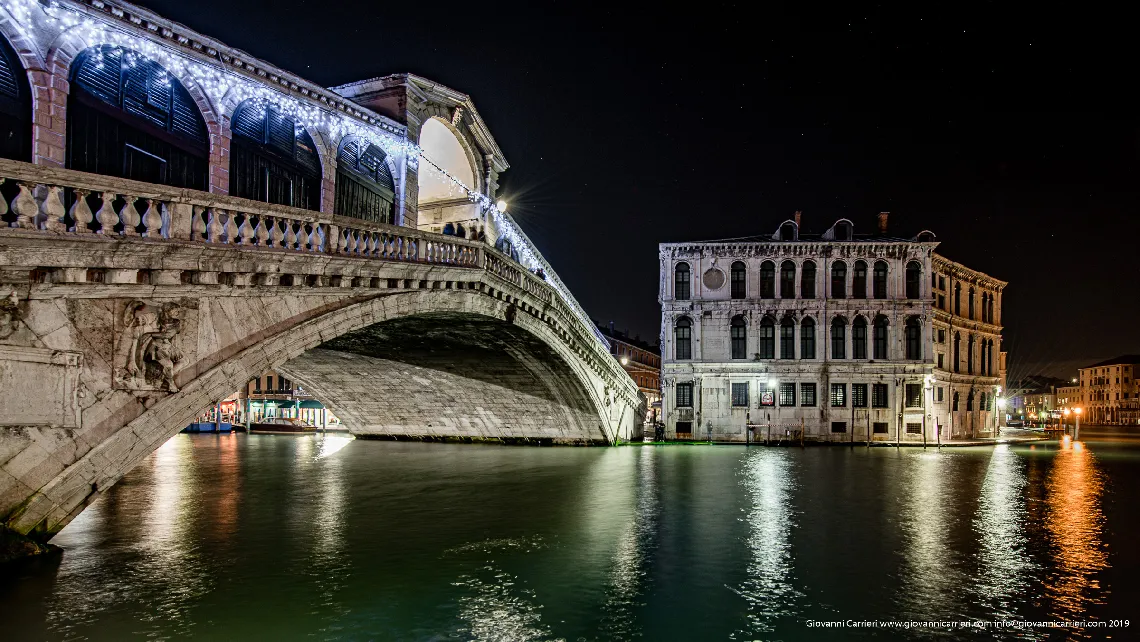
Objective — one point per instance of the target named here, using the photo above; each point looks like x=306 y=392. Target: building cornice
x=959 y=272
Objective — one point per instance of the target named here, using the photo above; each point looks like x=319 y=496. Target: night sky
x=1012 y=135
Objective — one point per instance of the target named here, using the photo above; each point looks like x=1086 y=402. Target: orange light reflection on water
x=1074 y=521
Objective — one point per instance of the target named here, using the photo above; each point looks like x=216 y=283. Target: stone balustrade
x=67 y=202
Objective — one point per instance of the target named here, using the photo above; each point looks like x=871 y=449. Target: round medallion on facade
x=713 y=279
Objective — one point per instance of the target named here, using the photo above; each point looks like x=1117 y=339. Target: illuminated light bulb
x=502 y=205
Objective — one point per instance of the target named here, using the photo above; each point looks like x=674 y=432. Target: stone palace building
x=844 y=336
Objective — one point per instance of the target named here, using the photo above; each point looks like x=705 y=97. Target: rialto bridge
x=277 y=225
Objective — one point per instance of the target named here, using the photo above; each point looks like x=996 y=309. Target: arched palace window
x=859 y=338
x=738 y=335
x=15 y=106
x=839 y=280
x=788 y=338
x=913 y=339
x=807 y=338
x=272 y=160
x=767 y=338
x=859 y=282
x=683 y=338
x=807 y=280
x=913 y=280
x=364 y=186
x=738 y=275
x=788 y=280
x=767 y=280
x=681 y=282
x=838 y=338
x=128 y=117
x=880 y=280
x=880 y=342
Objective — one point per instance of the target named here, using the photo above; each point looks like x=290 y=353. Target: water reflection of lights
x=494 y=606
x=999 y=525
x=768 y=591
x=1074 y=522
x=169 y=545
x=329 y=566
x=929 y=576
x=330 y=444
x=631 y=558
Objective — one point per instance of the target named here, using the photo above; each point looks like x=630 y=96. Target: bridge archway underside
x=110 y=345
x=449 y=375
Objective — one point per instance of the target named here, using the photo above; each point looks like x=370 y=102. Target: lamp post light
x=1064 y=417
x=624 y=360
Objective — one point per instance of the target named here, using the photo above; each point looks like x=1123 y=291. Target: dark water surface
x=297 y=538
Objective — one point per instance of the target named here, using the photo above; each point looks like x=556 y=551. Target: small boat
x=281 y=425
x=208 y=426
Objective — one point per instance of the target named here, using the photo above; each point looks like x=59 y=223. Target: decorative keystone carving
x=147 y=351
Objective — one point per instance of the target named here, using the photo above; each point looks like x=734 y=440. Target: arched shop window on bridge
x=15 y=106
x=272 y=160
x=128 y=117
x=364 y=186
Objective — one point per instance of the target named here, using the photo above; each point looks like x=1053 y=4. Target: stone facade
x=1110 y=393
x=643 y=363
x=969 y=371
x=750 y=338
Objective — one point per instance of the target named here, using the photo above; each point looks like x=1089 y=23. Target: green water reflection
x=283 y=538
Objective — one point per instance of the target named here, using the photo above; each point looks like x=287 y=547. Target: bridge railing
x=67 y=202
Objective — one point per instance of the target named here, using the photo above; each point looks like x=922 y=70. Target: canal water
x=250 y=537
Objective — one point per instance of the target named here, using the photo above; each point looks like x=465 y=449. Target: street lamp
x=1065 y=414
x=928 y=386
x=502 y=205
x=624 y=360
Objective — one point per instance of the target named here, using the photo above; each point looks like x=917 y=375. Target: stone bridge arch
x=562 y=401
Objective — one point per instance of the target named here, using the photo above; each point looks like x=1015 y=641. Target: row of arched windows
x=986 y=349
x=987 y=313
x=128 y=117
x=738 y=278
x=766 y=347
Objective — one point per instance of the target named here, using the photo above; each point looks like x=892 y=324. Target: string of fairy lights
x=219 y=84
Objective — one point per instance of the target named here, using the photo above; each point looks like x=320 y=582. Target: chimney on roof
x=883 y=222
x=799 y=214
x=611 y=328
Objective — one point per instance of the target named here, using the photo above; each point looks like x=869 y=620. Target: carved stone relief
x=151 y=343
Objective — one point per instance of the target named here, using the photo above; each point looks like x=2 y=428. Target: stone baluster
x=152 y=220
x=25 y=208
x=81 y=213
x=215 y=228
x=314 y=239
x=332 y=237
x=260 y=232
x=276 y=234
x=197 y=223
x=245 y=231
x=52 y=210
x=290 y=235
x=231 y=230
x=106 y=215
x=3 y=200
x=129 y=217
